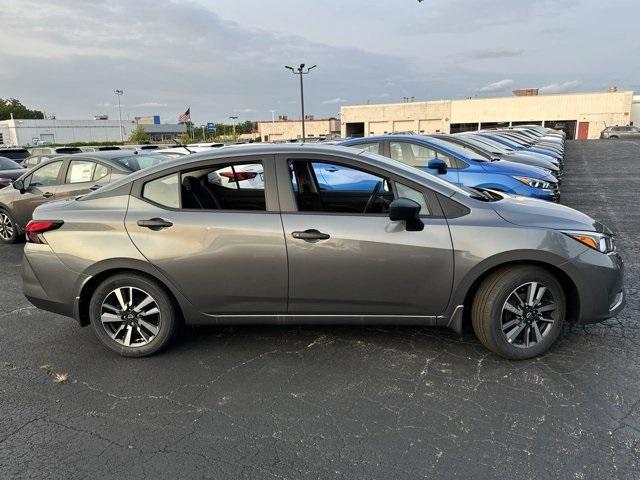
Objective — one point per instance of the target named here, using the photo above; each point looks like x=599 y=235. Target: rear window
x=141 y=161
x=6 y=164
x=15 y=154
x=68 y=150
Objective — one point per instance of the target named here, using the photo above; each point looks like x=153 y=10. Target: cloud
x=247 y=110
x=149 y=104
x=494 y=53
x=560 y=87
x=499 y=86
x=333 y=101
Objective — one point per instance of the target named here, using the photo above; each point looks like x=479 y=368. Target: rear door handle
x=155 y=224
x=47 y=194
x=310 y=235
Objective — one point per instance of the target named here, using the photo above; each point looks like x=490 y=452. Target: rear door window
x=80 y=171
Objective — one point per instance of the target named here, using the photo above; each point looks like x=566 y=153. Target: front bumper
x=599 y=280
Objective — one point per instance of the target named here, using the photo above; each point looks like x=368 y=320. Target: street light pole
x=300 y=71
x=234 y=118
x=119 y=93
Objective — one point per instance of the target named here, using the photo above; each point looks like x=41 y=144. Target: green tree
x=12 y=106
x=184 y=139
x=138 y=136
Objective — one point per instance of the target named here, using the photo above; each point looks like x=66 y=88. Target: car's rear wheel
x=8 y=228
x=132 y=315
x=518 y=312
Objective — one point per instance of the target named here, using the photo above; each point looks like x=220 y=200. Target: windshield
x=487 y=143
x=141 y=161
x=474 y=153
x=6 y=164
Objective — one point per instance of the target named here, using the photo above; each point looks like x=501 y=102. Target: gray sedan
x=332 y=235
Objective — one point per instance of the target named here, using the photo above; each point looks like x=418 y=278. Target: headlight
x=598 y=241
x=534 y=182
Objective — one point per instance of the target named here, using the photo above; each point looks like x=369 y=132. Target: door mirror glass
x=407 y=210
x=19 y=185
x=439 y=165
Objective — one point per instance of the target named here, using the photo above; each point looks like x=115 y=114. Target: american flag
x=185 y=117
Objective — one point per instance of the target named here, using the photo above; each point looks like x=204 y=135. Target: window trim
x=289 y=203
x=270 y=190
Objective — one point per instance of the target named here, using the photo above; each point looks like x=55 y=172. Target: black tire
x=613 y=137
x=489 y=316
x=166 y=321
x=15 y=234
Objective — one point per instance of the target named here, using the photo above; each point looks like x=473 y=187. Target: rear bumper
x=47 y=283
x=599 y=279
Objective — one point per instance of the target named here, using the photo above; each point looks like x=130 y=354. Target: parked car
x=629 y=132
x=462 y=166
x=515 y=145
x=34 y=160
x=9 y=171
x=101 y=148
x=164 y=245
x=504 y=149
x=63 y=177
x=14 y=153
x=491 y=154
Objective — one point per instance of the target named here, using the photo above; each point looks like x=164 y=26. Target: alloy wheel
x=6 y=227
x=528 y=315
x=130 y=316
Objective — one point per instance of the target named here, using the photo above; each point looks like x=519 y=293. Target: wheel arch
x=98 y=272
x=568 y=285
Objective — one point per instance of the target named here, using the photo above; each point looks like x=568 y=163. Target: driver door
x=40 y=187
x=345 y=261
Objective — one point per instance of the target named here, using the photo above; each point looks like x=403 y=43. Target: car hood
x=531 y=160
x=12 y=174
x=531 y=212
x=511 y=168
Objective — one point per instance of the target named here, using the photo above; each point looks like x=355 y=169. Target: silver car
x=392 y=245
x=629 y=132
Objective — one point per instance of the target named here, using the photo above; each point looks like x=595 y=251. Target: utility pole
x=119 y=93
x=300 y=71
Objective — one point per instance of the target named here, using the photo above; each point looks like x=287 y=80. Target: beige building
x=285 y=130
x=581 y=115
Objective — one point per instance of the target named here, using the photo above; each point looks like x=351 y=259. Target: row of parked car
x=524 y=160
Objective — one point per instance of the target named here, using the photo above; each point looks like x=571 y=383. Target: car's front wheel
x=518 y=311
x=132 y=315
x=8 y=229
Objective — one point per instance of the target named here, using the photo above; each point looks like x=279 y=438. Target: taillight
x=35 y=229
x=238 y=176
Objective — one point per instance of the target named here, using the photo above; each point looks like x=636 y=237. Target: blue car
x=517 y=146
x=461 y=166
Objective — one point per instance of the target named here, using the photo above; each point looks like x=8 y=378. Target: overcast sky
x=224 y=57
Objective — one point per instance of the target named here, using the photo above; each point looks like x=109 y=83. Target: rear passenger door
x=81 y=176
x=214 y=230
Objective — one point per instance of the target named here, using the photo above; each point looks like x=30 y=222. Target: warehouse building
x=581 y=115
x=284 y=130
x=34 y=132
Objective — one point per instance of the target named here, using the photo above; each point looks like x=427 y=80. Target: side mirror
x=405 y=209
x=438 y=164
x=19 y=185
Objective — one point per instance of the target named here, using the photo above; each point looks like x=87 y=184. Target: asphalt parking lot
x=333 y=402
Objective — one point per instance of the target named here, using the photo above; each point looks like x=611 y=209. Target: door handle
x=155 y=224
x=94 y=187
x=310 y=235
x=47 y=194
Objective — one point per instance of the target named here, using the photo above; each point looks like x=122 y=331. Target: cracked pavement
x=333 y=402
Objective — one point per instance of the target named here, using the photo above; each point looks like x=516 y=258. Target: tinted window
x=6 y=164
x=68 y=150
x=417 y=155
x=15 y=154
x=142 y=161
x=80 y=171
x=46 y=175
x=225 y=187
x=416 y=196
x=164 y=191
